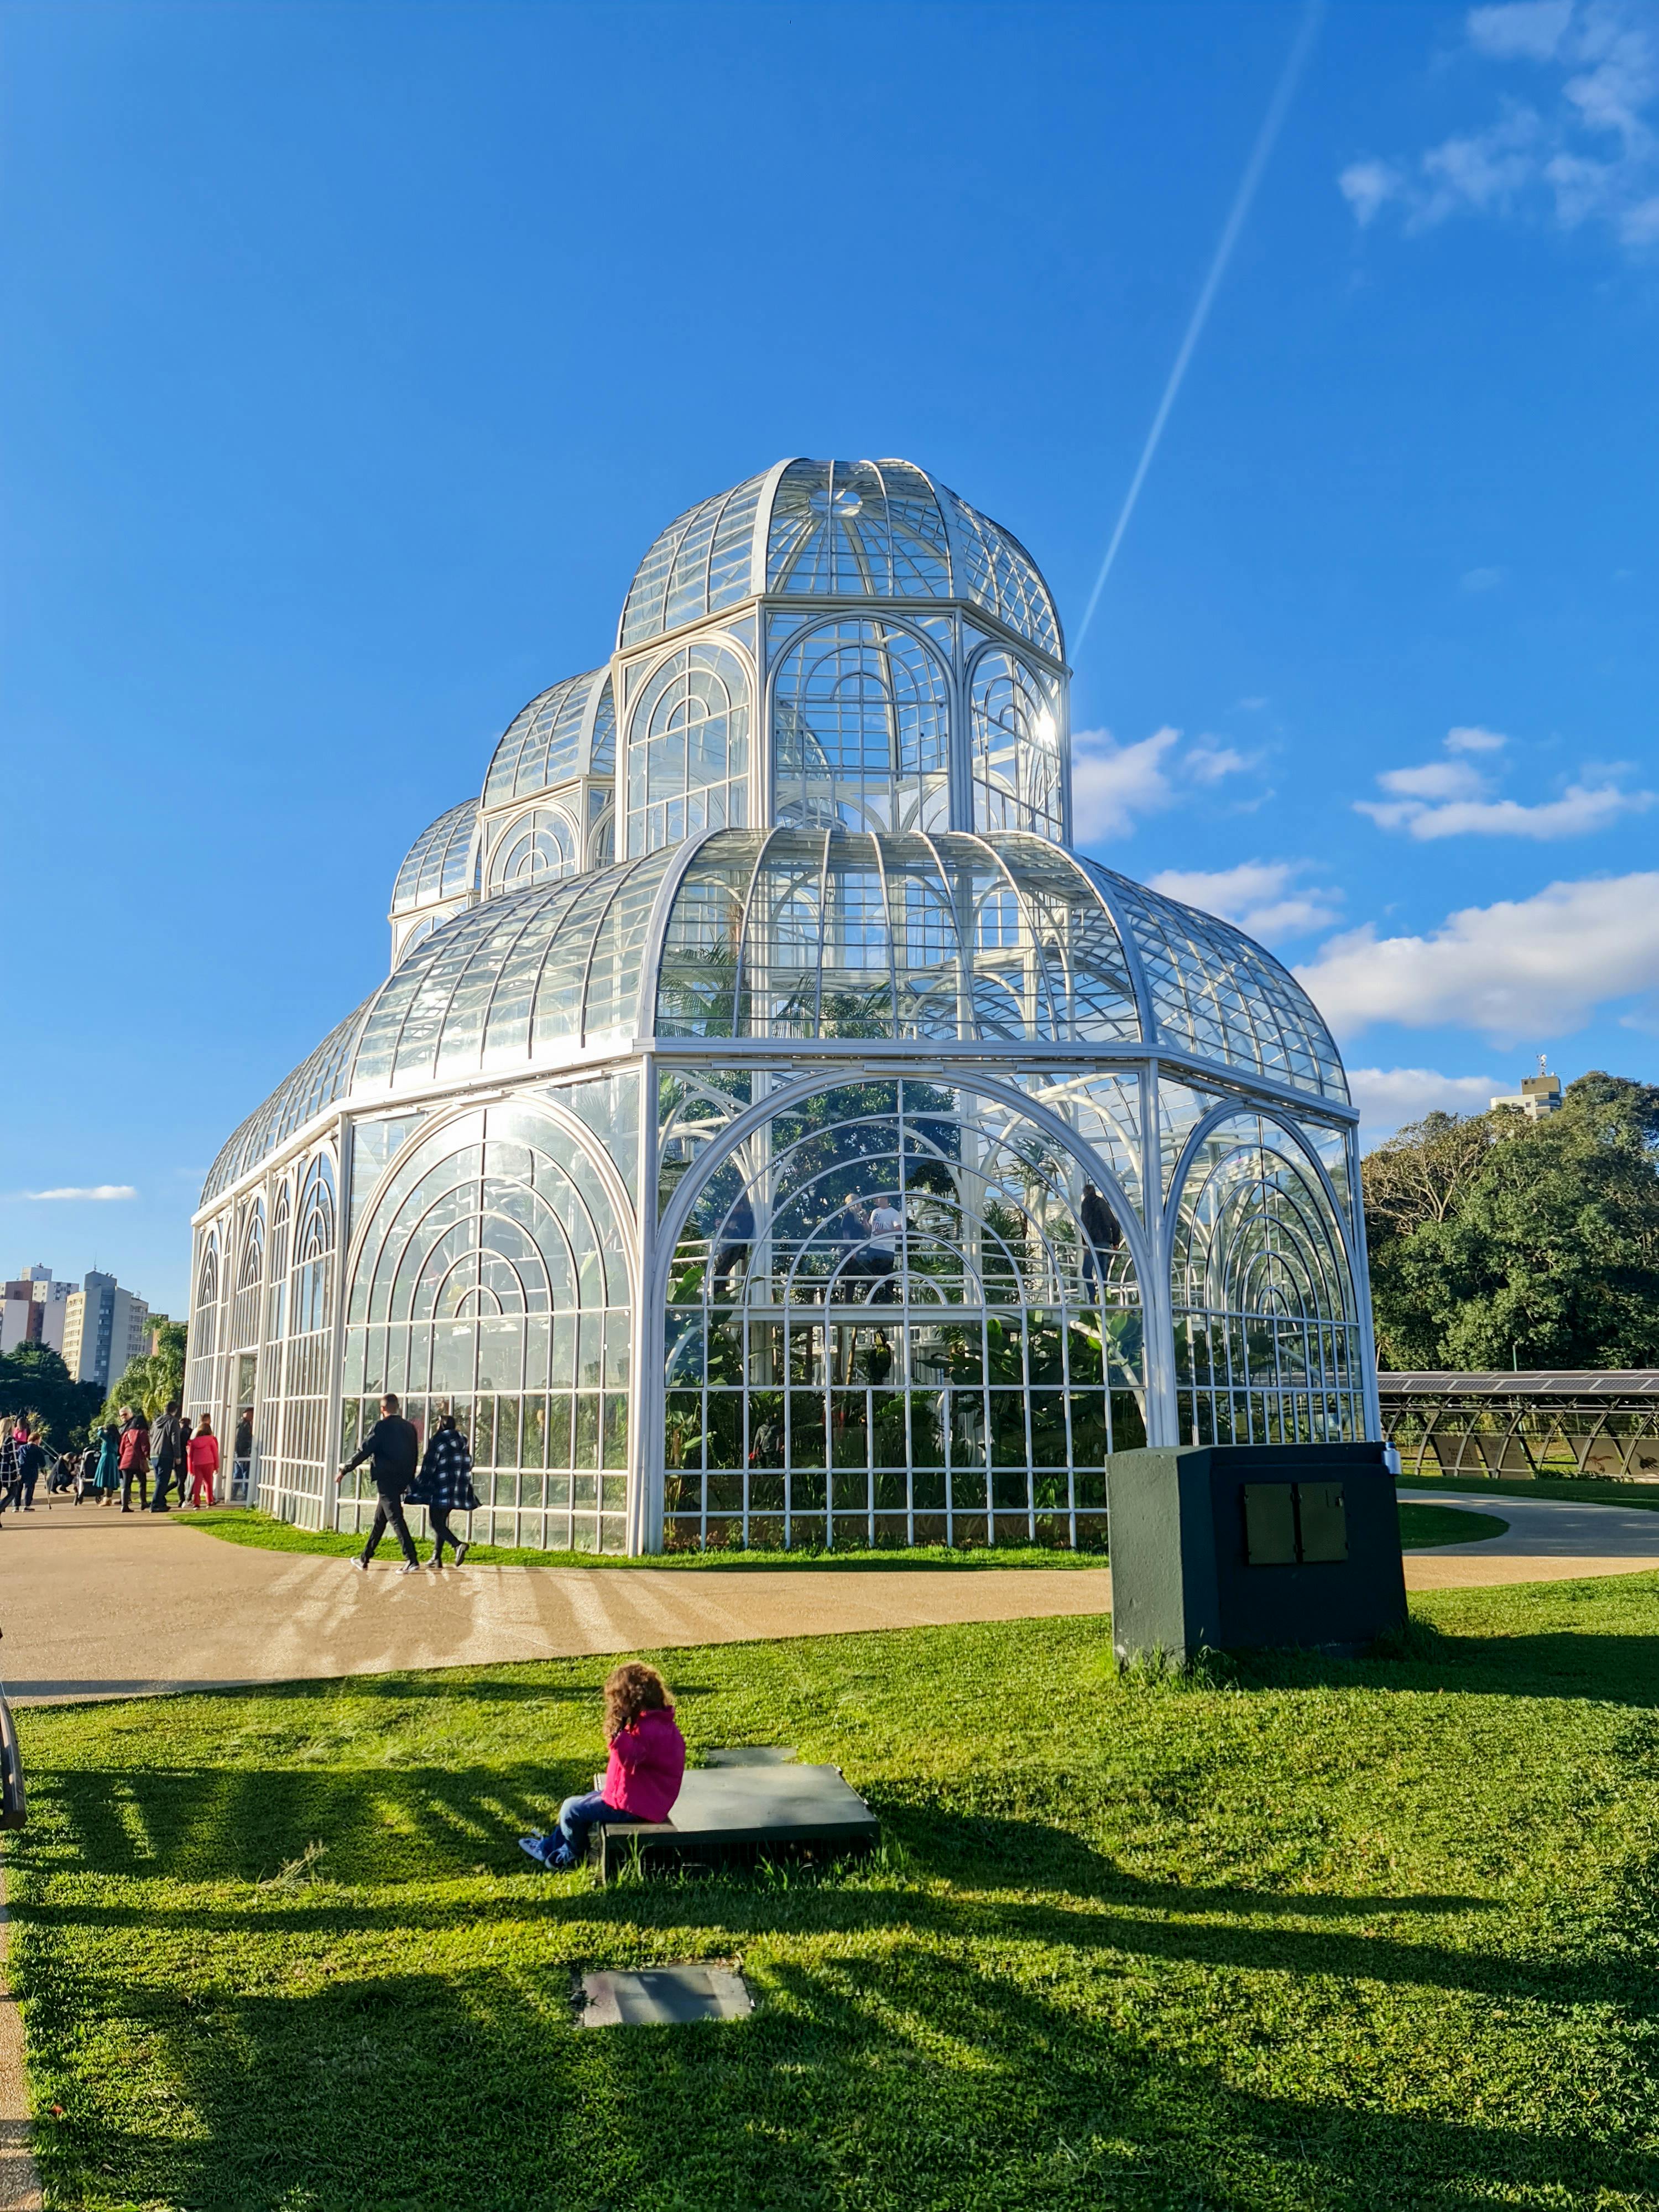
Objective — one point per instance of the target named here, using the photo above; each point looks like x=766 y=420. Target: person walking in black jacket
x=168 y=1442
x=392 y=1447
x=446 y=1487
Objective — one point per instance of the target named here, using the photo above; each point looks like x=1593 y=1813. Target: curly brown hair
x=630 y=1690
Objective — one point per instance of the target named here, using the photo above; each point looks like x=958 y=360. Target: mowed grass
x=1418 y=1525
x=1302 y=1934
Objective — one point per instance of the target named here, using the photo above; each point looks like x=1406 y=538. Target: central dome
x=837 y=530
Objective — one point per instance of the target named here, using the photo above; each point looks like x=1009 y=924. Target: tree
x=155 y=1382
x=1496 y=1241
x=34 y=1380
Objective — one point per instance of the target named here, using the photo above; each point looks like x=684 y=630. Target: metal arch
x=1150 y=1037
x=867 y=611
x=575 y=1132
x=742 y=1126
x=1224 y=1112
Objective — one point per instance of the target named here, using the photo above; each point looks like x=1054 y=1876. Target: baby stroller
x=14 y=1804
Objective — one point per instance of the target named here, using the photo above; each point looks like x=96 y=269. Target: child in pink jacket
x=642 y=1777
x=202 y=1454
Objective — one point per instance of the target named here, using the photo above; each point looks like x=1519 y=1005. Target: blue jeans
x=578 y=1815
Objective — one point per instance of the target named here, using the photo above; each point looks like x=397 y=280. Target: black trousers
x=442 y=1533
x=166 y=1474
x=389 y=1514
x=127 y=1481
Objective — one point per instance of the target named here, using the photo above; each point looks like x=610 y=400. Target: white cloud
x=1262 y=896
x=1453 y=798
x=96 y=1190
x=1516 y=971
x=1368 y=186
x=1114 y=785
x=1588 y=151
x=1389 y=1097
x=1532 y=29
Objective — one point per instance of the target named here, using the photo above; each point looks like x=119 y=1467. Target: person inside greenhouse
x=736 y=1241
x=888 y=1225
x=848 y=1232
x=1101 y=1227
x=643 y=1775
x=446 y=1487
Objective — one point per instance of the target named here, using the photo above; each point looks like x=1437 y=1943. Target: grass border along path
x=1288 y=1936
x=1420 y=1526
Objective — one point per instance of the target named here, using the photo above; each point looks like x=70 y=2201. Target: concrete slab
x=664 y=1996
x=743 y=1812
x=750 y=1755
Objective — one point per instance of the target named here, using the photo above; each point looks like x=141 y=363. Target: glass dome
x=543 y=744
x=790 y=934
x=833 y=529
x=439 y=862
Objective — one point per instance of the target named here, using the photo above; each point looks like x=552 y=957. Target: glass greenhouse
x=769 y=1131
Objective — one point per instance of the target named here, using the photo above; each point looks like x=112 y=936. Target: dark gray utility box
x=1233 y=1546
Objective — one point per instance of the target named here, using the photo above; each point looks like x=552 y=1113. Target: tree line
x=35 y=1383
x=1496 y=1241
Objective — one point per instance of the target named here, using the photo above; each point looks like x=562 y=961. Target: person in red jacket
x=642 y=1777
x=135 y=1459
x=203 y=1453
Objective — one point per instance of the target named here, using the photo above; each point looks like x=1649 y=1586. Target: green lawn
x=1418 y=1525
x=1334 y=1937
x=1422 y=1525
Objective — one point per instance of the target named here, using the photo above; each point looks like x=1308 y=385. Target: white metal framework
x=800 y=1143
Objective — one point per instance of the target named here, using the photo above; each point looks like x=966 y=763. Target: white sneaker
x=361 y=1565
x=410 y=1567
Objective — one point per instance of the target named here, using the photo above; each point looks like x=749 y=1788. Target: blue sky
x=356 y=353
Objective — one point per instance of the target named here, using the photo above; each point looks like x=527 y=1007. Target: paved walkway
x=95 y=1604
x=1547 y=1541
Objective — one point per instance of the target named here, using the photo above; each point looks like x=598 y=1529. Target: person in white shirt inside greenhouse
x=887 y=1225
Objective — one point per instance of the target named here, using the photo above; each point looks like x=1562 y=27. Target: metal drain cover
x=659 y=1997
x=752 y=1754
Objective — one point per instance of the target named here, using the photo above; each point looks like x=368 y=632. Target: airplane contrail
x=1277 y=107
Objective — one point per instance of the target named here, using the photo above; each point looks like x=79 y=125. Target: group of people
x=23 y=1458
x=441 y=1481
x=127 y=1453
x=865 y=1239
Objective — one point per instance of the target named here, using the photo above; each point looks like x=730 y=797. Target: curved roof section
x=438 y=862
x=543 y=745
x=992 y=940
x=315 y=1083
x=837 y=529
x=804 y=934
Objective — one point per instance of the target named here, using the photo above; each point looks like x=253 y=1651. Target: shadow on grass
x=883 y=2074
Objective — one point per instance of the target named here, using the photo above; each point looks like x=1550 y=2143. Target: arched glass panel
x=204 y=1326
x=886 y=1325
x=862 y=528
x=701 y=562
x=1215 y=992
x=277 y=1325
x=804 y=935
x=861 y=732
x=1267 y=1346
x=542 y=744
x=1002 y=577
x=688 y=747
x=1016 y=747
x=293 y=1452
x=601 y=757
x=534 y=847
x=491 y=1276
x=439 y=862
x=250 y=1280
